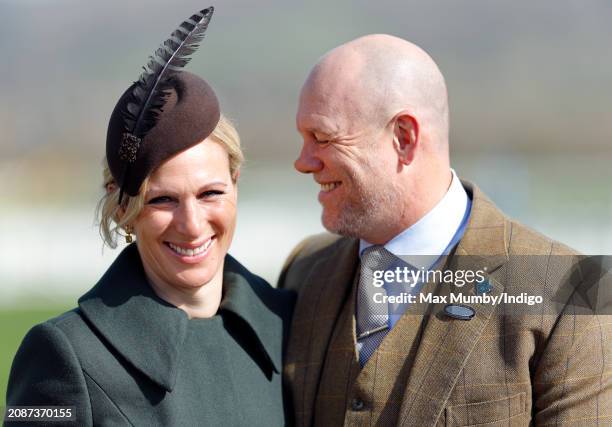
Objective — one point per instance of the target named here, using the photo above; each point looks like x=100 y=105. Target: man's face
x=354 y=162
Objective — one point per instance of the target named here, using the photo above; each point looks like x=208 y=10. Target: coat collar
x=261 y=307
x=150 y=333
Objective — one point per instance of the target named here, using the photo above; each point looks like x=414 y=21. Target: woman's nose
x=189 y=218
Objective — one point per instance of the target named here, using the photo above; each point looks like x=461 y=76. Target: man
x=373 y=115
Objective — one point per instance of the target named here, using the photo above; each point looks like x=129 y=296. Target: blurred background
x=530 y=91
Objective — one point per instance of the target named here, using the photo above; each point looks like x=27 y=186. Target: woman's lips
x=193 y=253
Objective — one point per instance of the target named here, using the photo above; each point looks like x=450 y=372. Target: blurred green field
x=14 y=324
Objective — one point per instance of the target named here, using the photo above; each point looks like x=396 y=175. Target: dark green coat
x=125 y=357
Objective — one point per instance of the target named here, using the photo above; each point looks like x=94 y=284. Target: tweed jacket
x=126 y=357
x=493 y=370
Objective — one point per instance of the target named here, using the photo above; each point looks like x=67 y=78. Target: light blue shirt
x=422 y=244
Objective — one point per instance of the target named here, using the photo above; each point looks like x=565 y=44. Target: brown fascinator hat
x=164 y=112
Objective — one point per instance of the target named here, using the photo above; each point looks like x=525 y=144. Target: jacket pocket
x=488 y=413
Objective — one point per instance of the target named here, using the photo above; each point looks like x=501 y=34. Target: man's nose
x=189 y=219
x=308 y=162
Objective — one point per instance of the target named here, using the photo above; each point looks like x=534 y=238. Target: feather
x=148 y=96
x=151 y=89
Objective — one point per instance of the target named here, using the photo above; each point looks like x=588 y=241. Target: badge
x=459 y=311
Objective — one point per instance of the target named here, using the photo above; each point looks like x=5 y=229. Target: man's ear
x=406 y=137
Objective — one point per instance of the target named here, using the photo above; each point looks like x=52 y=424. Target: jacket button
x=357 y=404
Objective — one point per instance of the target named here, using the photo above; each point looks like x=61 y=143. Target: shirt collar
x=149 y=332
x=433 y=233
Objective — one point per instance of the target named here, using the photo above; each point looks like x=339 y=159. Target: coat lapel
x=149 y=333
x=146 y=331
x=446 y=342
x=323 y=293
x=263 y=309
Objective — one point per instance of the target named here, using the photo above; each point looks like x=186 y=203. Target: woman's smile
x=191 y=253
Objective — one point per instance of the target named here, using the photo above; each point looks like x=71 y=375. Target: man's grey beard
x=358 y=217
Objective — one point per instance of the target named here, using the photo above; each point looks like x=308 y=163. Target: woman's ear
x=406 y=137
x=110 y=187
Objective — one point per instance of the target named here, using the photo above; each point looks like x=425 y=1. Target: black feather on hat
x=164 y=112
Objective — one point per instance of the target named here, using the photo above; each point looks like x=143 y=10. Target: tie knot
x=376 y=258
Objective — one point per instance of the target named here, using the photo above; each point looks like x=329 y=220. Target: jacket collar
x=150 y=333
x=487 y=232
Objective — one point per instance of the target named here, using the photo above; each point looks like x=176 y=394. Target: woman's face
x=186 y=225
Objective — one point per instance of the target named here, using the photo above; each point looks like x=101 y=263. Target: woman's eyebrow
x=162 y=190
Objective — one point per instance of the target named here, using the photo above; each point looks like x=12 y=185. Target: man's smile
x=329 y=186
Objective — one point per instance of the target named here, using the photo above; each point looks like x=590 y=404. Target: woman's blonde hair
x=113 y=217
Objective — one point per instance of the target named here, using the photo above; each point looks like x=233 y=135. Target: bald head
x=373 y=115
x=373 y=78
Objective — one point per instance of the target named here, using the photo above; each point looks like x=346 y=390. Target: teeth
x=191 y=252
x=329 y=187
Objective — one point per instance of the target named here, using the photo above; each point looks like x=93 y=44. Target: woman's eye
x=159 y=200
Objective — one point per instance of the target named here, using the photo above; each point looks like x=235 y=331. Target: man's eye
x=322 y=141
x=210 y=193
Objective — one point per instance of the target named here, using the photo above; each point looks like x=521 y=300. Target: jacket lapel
x=446 y=342
x=324 y=291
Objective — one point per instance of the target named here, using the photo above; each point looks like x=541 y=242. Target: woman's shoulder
x=46 y=369
x=54 y=343
x=56 y=330
x=65 y=340
x=68 y=327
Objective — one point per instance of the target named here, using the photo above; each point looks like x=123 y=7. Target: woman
x=176 y=332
